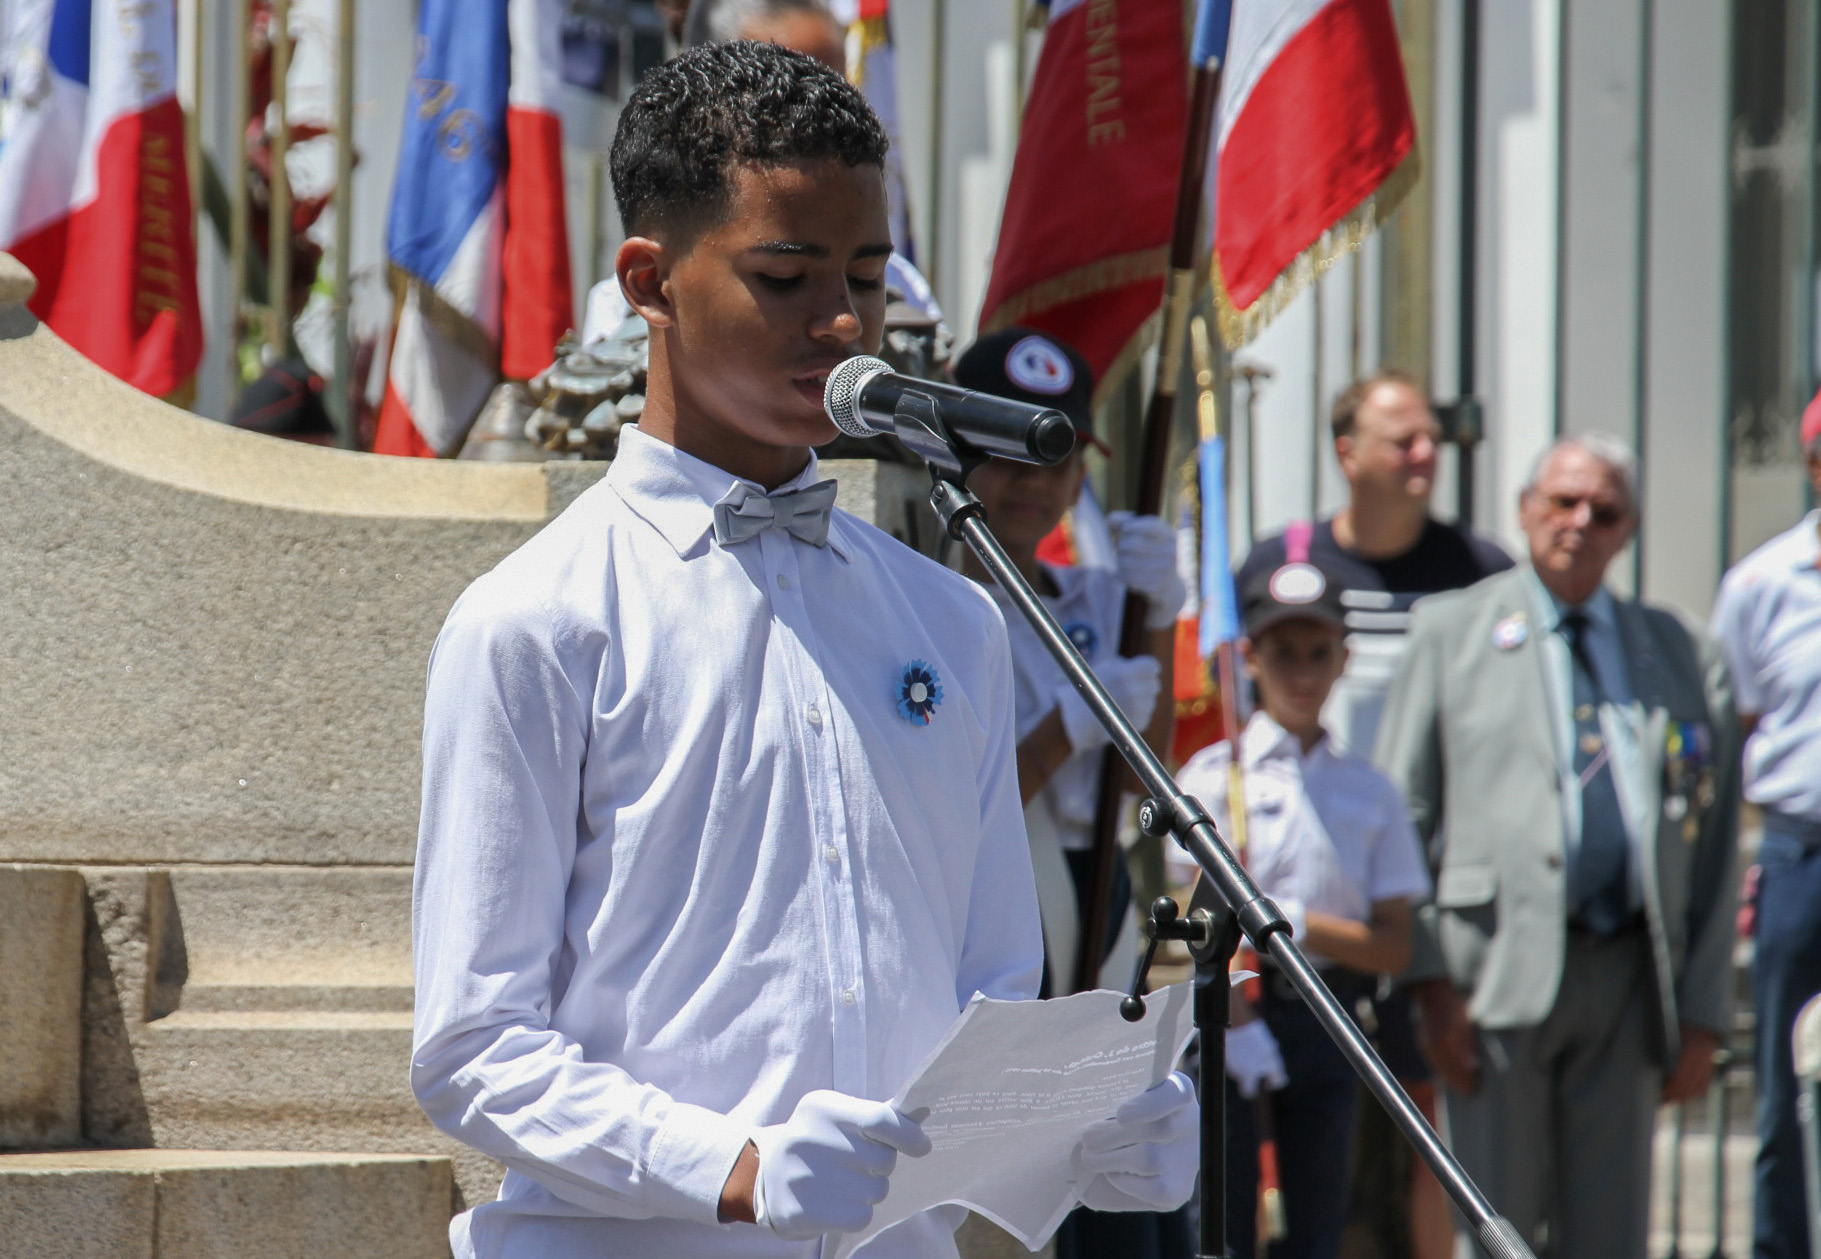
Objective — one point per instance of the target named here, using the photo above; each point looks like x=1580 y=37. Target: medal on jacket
x=1688 y=776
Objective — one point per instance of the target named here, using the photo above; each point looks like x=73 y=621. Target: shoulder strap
x=1297 y=536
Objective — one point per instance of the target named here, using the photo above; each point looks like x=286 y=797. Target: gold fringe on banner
x=447 y=320
x=1090 y=280
x=1237 y=327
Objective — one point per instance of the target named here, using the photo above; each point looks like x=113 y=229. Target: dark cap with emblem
x=1032 y=366
x=1295 y=591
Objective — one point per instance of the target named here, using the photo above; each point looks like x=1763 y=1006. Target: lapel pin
x=1511 y=632
x=919 y=691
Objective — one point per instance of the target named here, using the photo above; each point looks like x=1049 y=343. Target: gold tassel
x=1237 y=327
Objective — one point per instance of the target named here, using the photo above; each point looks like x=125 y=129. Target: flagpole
x=343 y=408
x=1020 y=26
x=192 y=122
x=1226 y=671
x=938 y=69
x=278 y=205
x=1153 y=470
x=239 y=212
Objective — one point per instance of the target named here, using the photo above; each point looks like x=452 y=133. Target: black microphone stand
x=1226 y=901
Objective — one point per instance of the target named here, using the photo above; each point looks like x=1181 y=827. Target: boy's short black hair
x=690 y=119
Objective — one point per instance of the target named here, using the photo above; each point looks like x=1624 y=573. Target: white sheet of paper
x=1009 y=1091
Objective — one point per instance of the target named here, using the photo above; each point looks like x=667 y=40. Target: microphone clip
x=918 y=422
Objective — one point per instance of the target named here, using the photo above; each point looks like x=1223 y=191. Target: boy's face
x=1295 y=664
x=1024 y=501
x=756 y=311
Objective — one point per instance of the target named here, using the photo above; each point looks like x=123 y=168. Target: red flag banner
x=1317 y=144
x=1084 y=240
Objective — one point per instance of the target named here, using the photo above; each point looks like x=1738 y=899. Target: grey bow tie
x=744 y=512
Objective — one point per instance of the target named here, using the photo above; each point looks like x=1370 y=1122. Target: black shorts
x=1383 y=1013
x=1395 y=1037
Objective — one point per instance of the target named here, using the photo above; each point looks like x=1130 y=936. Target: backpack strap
x=1297 y=536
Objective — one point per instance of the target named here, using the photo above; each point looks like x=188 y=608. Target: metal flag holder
x=1226 y=902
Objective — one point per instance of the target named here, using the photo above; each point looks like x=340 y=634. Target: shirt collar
x=675 y=492
x=1263 y=739
x=1599 y=609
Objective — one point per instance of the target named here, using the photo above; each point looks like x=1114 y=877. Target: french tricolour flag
x=94 y=192
x=477 y=238
x=1316 y=144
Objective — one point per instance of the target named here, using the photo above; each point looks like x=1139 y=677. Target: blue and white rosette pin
x=1085 y=637
x=919 y=691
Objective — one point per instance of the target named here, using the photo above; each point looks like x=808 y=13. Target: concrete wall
x=156 y=1204
x=41 y=983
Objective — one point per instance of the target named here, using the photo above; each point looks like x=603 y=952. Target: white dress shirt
x=1768 y=620
x=1088 y=605
x=686 y=855
x=1323 y=828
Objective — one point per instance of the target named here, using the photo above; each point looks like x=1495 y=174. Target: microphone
x=862 y=399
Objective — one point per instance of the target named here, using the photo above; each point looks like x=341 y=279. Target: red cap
x=1811 y=423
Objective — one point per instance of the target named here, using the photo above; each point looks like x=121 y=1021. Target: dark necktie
x=1599 y=894
x=744 y=512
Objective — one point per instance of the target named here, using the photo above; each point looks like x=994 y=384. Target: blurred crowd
x=1499 y=805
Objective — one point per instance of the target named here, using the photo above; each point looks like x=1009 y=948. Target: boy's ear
x=643 y=266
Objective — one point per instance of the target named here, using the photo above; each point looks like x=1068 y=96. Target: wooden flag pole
x=1153 y=469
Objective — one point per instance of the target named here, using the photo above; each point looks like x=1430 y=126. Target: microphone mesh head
x=841 y=396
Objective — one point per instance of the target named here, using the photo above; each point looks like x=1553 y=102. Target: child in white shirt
x=1329 y=840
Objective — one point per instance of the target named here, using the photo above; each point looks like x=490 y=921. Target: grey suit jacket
x=1468 y=735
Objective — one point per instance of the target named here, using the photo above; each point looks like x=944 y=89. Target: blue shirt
x=1768 y=621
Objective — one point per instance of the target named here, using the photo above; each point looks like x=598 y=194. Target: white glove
x=1145 y=1157
x=1132 y=681
x=1297 y=915
x=1144 y=548
x=1253 y=1059
x=824 y=1169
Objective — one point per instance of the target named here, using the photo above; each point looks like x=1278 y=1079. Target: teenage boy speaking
x=721 y=824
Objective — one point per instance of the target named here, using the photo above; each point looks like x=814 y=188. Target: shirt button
x=783 y=582
x=833 y=854
x=815 y=716
x=847 y=997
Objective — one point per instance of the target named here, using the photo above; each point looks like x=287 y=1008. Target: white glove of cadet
x=1132 y=681
x=1253 y=1059
x=1144 y=548
x=824 y=1169
x=1145 y=1157
x=1297 y=915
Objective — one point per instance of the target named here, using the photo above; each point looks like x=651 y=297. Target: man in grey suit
x=1569 y=759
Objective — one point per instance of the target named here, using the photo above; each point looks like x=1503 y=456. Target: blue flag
x=1219 y=604
x=1212 y=21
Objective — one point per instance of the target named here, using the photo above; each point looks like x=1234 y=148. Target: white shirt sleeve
x=506 y=730
x=1734 y=632
x=998 y=957
x=1396 y=868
